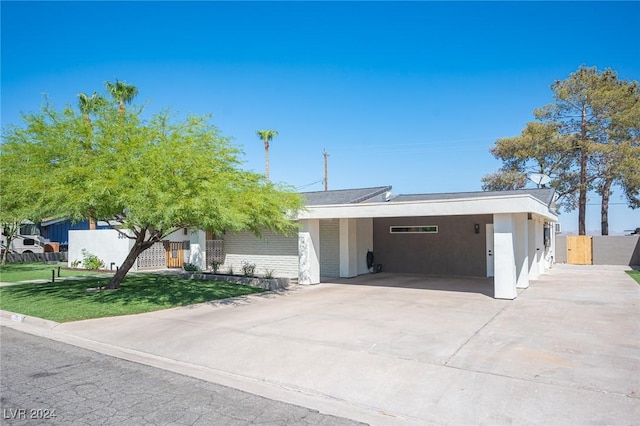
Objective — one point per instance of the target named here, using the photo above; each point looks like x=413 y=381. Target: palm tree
x=88 y=105
x=266 y=136
x=122 y=92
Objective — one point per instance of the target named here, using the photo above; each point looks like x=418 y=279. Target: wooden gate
x=175 y=257
x=579 y=250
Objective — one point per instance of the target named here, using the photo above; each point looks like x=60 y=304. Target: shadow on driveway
x=478 y=285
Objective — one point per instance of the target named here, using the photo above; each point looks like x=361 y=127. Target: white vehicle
x=28 y=240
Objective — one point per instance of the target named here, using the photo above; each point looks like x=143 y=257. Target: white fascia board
x=484 y=205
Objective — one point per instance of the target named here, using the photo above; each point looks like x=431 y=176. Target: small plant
x=75 y=263
x=248 y=269
x=190 y=267
x=215 y=265
x=230 y=270
x=269 y=273
x=91 y=261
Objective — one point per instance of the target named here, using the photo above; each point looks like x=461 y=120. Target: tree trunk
x=582 y=200
x=139 y=246
x=266 y=160
x=4 y=254
x=10 y=234
x=92 y=223
x=604 y=209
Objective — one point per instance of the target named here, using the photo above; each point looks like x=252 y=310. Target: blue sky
x=409 y=94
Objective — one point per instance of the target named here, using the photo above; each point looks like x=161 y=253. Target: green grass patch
x=635 y=275
x=16 y=272
x=64 y=301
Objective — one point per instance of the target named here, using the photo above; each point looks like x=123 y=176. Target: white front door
x=490 y=265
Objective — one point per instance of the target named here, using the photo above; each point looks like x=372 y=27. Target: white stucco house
x=507 y=235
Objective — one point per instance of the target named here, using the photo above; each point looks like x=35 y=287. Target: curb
x=302 y=397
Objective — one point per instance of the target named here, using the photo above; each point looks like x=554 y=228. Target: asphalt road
x=48 y=382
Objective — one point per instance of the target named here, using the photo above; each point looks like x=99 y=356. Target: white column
x=533 y=264
x=540 y=247
x=552 y=250
x=309 y=251
x=365 y=243
x=521 y=248
x=504 y=280
x=198 y=243
x=348 y=248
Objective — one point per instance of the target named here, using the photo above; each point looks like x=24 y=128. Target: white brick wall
x=330 y=248
x=274 y=252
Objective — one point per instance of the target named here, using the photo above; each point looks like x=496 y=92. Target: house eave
x=511 y=204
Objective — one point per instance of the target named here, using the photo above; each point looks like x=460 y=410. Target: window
x=29 y=229
x=546 y=235
x=423 y=229
x=29 y=242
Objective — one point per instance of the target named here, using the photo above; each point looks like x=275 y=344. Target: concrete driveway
x=401 y=349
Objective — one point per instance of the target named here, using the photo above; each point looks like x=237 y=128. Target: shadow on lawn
x=144 y=289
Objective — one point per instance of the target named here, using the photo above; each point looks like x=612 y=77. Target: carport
x=506 y=235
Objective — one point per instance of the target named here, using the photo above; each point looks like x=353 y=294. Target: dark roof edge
x=380 y=191
x=386 y=188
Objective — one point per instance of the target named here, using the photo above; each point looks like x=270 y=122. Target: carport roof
x=544 y=194
x=374 y=202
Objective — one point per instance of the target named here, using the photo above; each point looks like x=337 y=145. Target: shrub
x=248 y=269
x=230 y=271
x=75 y=263
x=190 y=267
x=269 y=273
x=91 y=261
x=215 y=266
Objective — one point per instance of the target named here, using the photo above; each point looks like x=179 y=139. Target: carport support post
x=540 y=247
x=539 y=237
x=348 y=248
x=309 y=251
x=504 y=280
x=533 y=263
x=521 y=247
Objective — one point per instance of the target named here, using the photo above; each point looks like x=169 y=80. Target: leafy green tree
x=617 y=163
x=592 y=106
x=10 y=230
x=586 y=139
x=266 y=136
x=122 y=92
x=616 y=156
x=147 y=178
x=87 y=106
x=16 y=202
x=539 y=149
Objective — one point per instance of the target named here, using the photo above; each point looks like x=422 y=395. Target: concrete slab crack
x=475 y=334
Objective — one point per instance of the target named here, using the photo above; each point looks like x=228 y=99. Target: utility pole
x=326 y=173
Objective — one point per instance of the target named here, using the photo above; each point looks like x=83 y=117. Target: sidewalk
x=565 y=352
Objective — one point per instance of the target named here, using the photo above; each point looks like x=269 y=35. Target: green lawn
x=65 y=301
x=16 y=272
x=635 y=275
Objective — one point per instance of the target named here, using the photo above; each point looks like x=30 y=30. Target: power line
x=418 y=144
x=309 y=184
